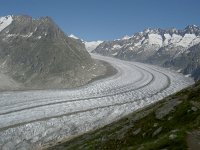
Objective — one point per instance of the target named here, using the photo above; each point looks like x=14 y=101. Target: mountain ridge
x=155 y=46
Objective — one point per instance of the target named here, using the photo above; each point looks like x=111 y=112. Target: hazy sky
x=108 y=19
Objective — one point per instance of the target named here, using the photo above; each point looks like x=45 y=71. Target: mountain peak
x=192 y=29
x=192 y=26
x=126 y=37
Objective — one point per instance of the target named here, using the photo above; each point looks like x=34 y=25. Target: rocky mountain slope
x=173 y=123
x=167 y=48
x=35 y=53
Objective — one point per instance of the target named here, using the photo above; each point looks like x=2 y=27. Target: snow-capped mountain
x=156 y=46
x=90 y=46
x=37 y=54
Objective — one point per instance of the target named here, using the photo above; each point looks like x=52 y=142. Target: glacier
x=37 y=118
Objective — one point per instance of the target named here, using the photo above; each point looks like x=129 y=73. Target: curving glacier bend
x=34 y=119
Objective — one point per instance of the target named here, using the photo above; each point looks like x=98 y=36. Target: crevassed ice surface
x=34 y=119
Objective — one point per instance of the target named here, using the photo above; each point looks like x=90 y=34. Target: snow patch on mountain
x=73 y=36
x=19 y=35
x=116 y=46
x=5 y=21
x=167 y=39
x=39 y=37
x=140 y=42
x=186 y=40
x=195 y=41
x=175 y=39
x=155 y=39
x=126 y=37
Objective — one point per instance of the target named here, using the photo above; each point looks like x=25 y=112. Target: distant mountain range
x=36 y=53
x=178 y=49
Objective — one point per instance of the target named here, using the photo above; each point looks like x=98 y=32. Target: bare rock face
x=35 y=53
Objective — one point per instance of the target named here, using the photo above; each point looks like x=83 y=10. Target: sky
x=108 y=19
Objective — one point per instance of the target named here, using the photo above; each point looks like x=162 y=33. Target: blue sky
x=108 y=19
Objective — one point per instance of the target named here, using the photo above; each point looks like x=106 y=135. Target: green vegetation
x=164 y=125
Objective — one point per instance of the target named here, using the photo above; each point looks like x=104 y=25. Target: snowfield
x=5 y=21
x=90 y=46
x=34 y=119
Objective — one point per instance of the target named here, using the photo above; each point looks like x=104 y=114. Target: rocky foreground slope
x=173 y=124
x=174 y=48
x=35 y=53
